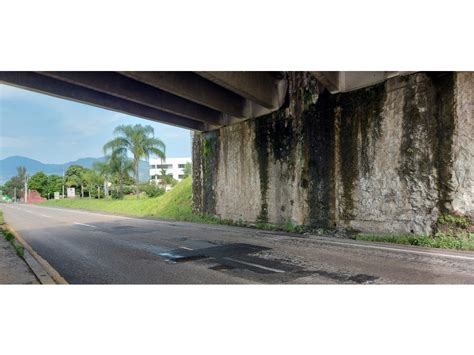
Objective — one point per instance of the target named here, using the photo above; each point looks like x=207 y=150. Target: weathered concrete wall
x=463 y=146
x=389 y=158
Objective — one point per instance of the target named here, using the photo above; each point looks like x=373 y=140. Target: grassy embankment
x=175 y=204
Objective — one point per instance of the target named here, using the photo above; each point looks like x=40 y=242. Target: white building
x=173 y=166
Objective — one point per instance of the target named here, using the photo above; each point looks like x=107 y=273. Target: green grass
x=8 y=236
x=460 y=241
x=452 y=232
x=20 y=250
x=175 y=204
x=2 y=221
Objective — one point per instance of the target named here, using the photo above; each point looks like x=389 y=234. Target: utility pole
x=14 y=194
x=63 y=181
x=26 y=188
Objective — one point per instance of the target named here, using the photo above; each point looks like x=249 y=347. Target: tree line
x=111 y=177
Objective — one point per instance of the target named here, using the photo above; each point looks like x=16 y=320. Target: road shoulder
x=45 y=273
x=14 y=270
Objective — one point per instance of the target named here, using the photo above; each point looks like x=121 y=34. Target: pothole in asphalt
x=258 y=260
x=214 y=251
x=230 y=256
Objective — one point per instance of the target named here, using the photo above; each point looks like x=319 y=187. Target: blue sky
x=54 y=130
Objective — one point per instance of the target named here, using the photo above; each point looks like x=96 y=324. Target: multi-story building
x=173 y=167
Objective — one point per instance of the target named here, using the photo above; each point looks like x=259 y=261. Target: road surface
x=98 y=248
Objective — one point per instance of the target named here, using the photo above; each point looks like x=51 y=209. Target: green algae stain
x=210 y=161
x=261 y=144
x=428 y=128
x=318 y=141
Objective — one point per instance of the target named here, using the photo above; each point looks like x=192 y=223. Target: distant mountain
x=8 y=167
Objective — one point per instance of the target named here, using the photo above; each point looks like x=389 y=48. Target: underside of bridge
x=370 y=151
x=201 y=101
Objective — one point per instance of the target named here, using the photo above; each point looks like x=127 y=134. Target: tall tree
x=139 y=141
x=15 y=186
x=165 y=178
x=103 y=169
x=39 y=182
x=12 y=186
x=75 y=177
x=21 y=173
x=54 y=184
x=120 y=166
x=92 y=182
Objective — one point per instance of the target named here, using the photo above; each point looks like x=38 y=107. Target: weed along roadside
x=13 y=267
x=9 y=237
x=451 y=232
x=20 y=249
x=27 y=267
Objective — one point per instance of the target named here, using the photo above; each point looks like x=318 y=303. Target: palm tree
x=103 y=169
x=92 y=180
x=117 y=167
x=120 y=166
x=165 y=179
x=139 y=141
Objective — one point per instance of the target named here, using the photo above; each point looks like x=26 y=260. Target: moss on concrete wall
x=197 y=172
x=443 y=138
x=318 y=142
x=261 y=146
x=324 y=160
x=205 y=165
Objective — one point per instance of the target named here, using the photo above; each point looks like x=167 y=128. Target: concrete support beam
x=346 y=81
x=329 y=79
x=195 y=88
x=123 y=87
x=263 y=88
x=54 y=87
x=120 y=86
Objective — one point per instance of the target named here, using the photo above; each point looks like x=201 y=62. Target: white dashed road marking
x=255 y=265
x=85 y=224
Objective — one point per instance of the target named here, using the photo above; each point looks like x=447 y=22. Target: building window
x=180 y=176
x=152 y=166
x=181 y=166
x=164 y=166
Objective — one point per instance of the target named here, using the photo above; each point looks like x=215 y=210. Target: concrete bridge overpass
x=201 y=101
x=369 y=151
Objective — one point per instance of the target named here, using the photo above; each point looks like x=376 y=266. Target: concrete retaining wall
x=389 y=158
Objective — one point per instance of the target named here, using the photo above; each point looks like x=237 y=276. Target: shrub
x=20 y=250
x=151 y=190
x=452 y=220
x=8 y=236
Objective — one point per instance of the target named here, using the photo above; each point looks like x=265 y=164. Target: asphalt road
x=98 y=248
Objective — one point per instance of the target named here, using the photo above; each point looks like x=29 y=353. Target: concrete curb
x=45 y=273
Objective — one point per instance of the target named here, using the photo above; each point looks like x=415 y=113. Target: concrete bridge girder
x=346 y=81
x=200 y=101
x=58 y=88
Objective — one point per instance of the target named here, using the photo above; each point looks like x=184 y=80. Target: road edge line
x=45 y=273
